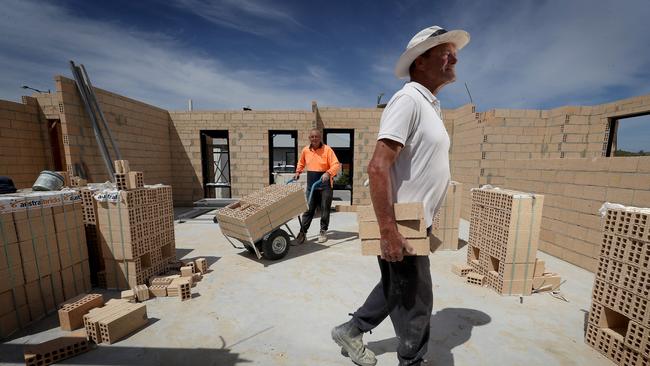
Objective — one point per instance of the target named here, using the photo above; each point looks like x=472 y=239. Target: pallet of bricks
x=410 y=223
x=503 y=240
x=257 y=214
x=445 y=223
x=89 y=209
x=43 y=255
x=135 y=229
x=619 y=320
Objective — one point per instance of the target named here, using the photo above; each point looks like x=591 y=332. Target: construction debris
x=619 y=321
x=410 y=223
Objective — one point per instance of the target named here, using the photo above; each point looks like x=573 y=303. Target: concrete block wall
x=482 y=143
x=574 y=190
x=365 y=123
x=248 y=146
x=23 y=142
x=140 y=130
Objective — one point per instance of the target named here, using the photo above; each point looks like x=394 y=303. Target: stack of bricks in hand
x=114 y=321
x=257 y=214
x=410 y=223
x=445 y=223
x=503 y=239
x=619 y=320
x=43 y=255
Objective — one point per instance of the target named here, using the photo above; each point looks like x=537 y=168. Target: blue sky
x=225 y=54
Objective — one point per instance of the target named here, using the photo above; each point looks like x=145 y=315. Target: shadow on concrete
x=461 y=244
x=450 y=327
x=118 y=355
x=180 y=253
x=344 y=236
x=294 y=252
x=209 y=259
x=585 y=316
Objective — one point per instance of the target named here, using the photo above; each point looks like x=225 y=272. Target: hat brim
x=460 y=38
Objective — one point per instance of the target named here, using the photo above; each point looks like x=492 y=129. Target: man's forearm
x=381 y=194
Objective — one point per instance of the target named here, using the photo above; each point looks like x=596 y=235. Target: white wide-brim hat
x=424 y=40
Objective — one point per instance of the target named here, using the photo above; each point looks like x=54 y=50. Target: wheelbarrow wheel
x=276 y=246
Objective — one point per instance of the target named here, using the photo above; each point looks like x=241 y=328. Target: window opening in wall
x=629 y=136
x=342 y=142
x=215 y=161
x=283 y=152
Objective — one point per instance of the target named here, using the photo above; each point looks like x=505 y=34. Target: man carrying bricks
x=410 y=164
x=321 y=164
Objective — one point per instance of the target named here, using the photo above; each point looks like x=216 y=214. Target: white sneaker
x=322 y=237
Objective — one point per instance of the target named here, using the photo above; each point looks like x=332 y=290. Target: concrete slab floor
x=249 y=311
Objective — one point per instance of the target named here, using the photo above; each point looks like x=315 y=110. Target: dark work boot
x=300 y=238
x=350 y=338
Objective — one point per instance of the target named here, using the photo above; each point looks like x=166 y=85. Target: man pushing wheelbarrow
x=322 y=166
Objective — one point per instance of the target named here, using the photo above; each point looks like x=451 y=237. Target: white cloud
x=539 y=54
x=38 y=39
x=250 y=16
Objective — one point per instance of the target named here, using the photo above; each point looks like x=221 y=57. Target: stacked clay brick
x=503 y=239
x=619 y=320
x=445 y=223
x=43 y=255
x=89 y=209
x=136 y=234
x=260 y=212
x=410 y=223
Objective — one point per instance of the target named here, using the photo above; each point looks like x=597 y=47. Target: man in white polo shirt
x=410 y=164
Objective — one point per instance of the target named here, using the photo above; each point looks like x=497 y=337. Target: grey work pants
x=405 y=294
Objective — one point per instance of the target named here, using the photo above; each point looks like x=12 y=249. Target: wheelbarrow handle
x=316 y=184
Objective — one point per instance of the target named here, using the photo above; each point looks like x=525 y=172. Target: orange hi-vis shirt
x=321 y=159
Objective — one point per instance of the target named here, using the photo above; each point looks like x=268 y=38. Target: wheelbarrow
x=272 y=244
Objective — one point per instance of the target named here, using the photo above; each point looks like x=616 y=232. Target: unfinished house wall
x=140 y=130
x=24 y=146
x=365 y=123
x=574 y=190
x=248 y=147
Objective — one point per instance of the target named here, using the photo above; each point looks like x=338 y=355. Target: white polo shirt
x=421 y=171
